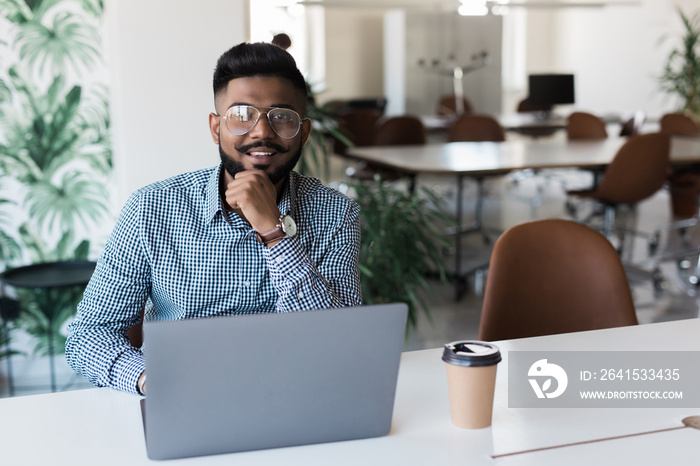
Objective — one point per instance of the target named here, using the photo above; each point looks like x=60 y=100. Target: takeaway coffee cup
x=471 y=379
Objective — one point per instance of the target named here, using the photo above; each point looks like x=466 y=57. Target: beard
x=233 y=166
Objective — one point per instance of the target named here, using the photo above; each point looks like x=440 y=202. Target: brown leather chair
x=135 y=333
x=582 y=125
x=553 y=276
x=357 y=124
x=638 y=170
x=525 y=106
x=447 y=106
x=393 y=131
x=389 y=131
x=399 y=130
x=678 y=124
x=476 y=128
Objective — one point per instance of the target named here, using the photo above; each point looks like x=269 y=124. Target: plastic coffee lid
x=471 y=353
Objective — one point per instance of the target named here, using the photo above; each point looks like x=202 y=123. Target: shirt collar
x=212 y=200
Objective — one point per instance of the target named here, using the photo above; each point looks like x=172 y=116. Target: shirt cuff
x=284 y=257
x=128 y=368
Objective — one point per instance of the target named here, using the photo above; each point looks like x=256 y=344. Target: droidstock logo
x=543 y=371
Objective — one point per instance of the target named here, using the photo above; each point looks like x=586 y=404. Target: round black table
x=48 y=276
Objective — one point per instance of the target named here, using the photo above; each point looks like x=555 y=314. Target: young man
x=248 y=236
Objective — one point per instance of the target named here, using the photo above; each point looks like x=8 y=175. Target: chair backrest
x=632 y=125
x=334 y=107
x=475 y=128
x=554 y=276
x=638 y=170
x=358 y=125
x=135 y=332
x=525 y=106
x=447 y=105
x=679 y=124
x=582 y=125
x=399 y=130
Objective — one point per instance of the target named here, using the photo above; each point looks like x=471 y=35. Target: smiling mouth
x=260 y=156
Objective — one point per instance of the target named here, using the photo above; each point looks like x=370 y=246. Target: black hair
x=257 y=59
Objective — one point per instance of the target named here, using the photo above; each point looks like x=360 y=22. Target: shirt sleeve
x=97 y=345
x=334 y=281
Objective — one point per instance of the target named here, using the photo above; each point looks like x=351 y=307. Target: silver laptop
x=237 y=383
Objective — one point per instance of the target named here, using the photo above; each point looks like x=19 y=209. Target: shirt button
x=300 y=295
x=279 y=259
x=246 y=283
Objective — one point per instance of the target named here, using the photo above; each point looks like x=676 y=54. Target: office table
x=478 y=160
x=499 y=158
x=103 y=426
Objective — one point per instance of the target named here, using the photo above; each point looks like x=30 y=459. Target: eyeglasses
x=242 y=118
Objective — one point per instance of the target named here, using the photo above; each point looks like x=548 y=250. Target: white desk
x=102 y=426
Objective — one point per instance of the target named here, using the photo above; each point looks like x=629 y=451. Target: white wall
x=613 y=51
x=161 y=55
x=354 y=53
x=448 y=40
x=616 y=55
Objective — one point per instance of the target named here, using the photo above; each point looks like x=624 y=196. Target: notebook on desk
x=229 y=384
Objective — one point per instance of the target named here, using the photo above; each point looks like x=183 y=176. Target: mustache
x=269 y=145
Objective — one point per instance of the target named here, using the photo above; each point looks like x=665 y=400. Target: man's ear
x=214 y=124
x=305 y=130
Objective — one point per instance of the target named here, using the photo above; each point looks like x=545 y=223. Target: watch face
x=288 y=225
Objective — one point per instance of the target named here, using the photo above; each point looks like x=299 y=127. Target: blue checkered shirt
x=175 y=248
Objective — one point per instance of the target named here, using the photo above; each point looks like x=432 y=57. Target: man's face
x=260 y=148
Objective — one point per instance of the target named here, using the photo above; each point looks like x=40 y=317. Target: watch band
x=270 y=236
x=285 y=228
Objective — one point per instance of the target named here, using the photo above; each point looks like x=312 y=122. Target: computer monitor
x=547 y=90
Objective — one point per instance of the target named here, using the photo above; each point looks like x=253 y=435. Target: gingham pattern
x=173 y=243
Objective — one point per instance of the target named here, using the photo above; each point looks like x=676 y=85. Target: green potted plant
x=681 y=78
x=681 y=75
x=402 y=241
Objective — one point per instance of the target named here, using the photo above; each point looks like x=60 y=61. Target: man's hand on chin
x=252 y=194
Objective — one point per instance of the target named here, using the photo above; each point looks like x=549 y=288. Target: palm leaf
x=40 y=251
x=5 y=93
x=9 y=248
x=16 y=11
x=34 y=244
x=68 y=43
x=93 y=7
x=75 y=198
x=61 y=129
